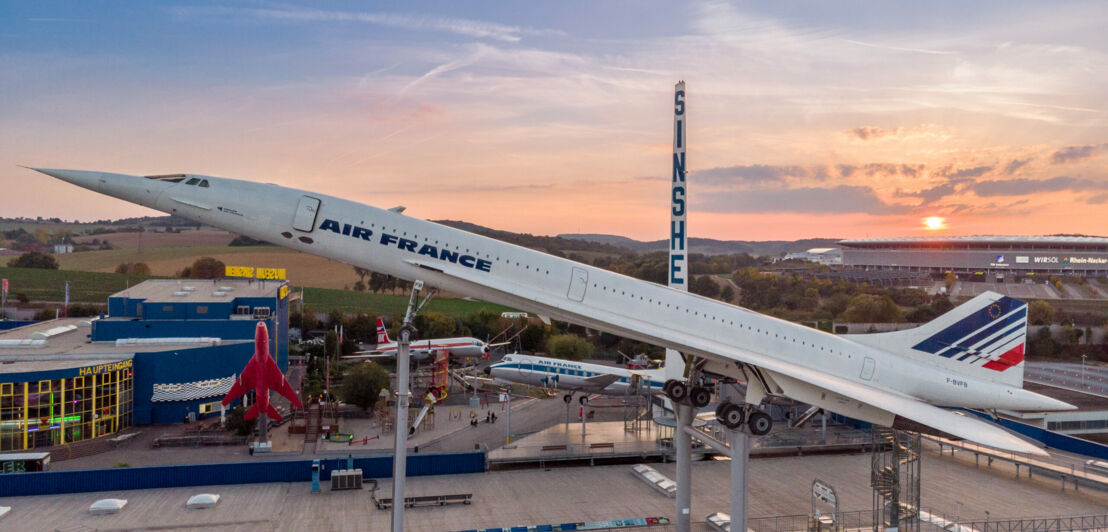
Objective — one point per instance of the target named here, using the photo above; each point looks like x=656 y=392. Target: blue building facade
x=167 y=350
x=171 y=384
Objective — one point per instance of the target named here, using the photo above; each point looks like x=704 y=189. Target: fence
x=130 y=478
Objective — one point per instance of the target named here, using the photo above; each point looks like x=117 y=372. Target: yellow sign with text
x=284 y=291
x=277 y=274
x=104 y=368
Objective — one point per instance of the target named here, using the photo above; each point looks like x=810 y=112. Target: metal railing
x=1043 y=524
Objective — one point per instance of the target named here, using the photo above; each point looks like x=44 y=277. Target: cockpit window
x=204 y=183
x=193 y=181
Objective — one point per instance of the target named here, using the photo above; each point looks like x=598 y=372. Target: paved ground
x=528 y=416
x=1069 y=375
x=779 y=486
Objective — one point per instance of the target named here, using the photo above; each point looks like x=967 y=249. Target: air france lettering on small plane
x=353 y=231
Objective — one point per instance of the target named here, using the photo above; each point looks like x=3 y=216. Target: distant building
x=828 y=256
x=984 y=258
x=63 y=248
x=168 y=349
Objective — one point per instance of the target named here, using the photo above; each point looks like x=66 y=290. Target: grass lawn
x=95 y=287
x=49 y=285
x=323 y=300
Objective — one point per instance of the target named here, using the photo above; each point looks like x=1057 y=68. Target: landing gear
x=730 y=415
x=584 y=400
x=699 y=396
x=568 y=398
x=759 y=423
x=678 y=391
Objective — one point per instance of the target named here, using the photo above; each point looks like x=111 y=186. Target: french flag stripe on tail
x=996 y=328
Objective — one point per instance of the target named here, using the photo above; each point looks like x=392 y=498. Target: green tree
x=941 y=305
x=437 y=325
x=133 y=268
x=362 y=384
x=869 y=308
x=204 y=268
x=34 y=259
x=1040 y=312
x=312 y=385
x=237 y=422
x=704 y=285
x=569 y=347
x=727 y=294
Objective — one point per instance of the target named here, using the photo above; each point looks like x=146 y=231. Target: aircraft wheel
x=700 y=396
x=584 y=400
x=667 y=386
x=568 y=398
x=730 y=415
x=678 y=392
x=411 y=431
x=760 y=423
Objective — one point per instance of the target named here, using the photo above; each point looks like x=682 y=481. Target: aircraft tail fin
x=251 y=412
x=382 y=332
x=273 y=413
x=983 y=337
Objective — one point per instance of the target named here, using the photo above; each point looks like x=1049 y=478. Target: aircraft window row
x=732 y=323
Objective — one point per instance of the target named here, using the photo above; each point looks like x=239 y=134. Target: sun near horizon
x=934 y=223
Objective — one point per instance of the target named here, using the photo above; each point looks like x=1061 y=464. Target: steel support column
x=682 y=441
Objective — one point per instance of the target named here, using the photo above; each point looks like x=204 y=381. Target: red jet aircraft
x=261 y=374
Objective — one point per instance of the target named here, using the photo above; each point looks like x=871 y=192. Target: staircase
x=311 y=432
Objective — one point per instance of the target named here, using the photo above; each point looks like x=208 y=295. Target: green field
x=94 y=287
x=109 y=259
x=49 y=285
x=324 y=299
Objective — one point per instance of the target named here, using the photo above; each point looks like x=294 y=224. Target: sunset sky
x=806 y=119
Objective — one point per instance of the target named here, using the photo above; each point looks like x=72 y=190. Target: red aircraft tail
x=272 y=412
x=382 y=332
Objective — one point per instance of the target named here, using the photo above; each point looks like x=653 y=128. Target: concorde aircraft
x=970 y=357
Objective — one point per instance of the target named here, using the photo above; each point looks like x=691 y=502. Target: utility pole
x=403 y=359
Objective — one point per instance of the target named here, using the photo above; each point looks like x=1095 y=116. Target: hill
x=707 y=246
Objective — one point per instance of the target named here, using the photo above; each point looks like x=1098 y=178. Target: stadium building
x=982 y=258
x=167 y=351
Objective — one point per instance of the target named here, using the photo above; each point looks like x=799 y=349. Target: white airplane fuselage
x=455 y=347
x=570 y=376
x=389 y=242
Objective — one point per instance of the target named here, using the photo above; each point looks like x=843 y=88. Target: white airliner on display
x=421 y=349
x=570 y=376
x=969 y=357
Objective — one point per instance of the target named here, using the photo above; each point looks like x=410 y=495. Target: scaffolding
x=895 y=478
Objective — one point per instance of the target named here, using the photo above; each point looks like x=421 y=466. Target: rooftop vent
x=180 y=294
x=226 y=288
x=42 y=335
x=188 y=288
x=219 y=293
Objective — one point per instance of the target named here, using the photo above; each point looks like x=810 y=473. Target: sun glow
x=934 y=223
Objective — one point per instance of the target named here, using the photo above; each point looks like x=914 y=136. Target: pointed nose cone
x=261 y=340
x=81 y=178
x=488 y=370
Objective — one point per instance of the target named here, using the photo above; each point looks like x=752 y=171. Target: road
x=1069 y=375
